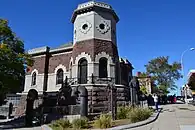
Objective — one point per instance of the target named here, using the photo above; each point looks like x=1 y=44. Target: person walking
x=156 y=101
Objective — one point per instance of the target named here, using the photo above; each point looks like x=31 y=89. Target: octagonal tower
x=95 y=38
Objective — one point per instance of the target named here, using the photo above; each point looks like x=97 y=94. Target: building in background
x=145 y=81
x=191 y=83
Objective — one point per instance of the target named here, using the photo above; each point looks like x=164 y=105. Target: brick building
x=145 y=81
x=92 y=52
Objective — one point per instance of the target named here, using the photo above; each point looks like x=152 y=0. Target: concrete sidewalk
x=173 y=117
x=44 y=127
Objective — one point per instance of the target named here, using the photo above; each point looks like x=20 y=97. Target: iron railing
x=90 y=80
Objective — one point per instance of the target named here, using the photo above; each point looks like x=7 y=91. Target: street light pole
x=182 y=69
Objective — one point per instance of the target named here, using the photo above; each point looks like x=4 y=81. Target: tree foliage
x=12 y=60
x=143 y=74
x=163 y=73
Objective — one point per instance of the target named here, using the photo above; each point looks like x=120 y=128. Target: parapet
x=93 y=3
x=38 y=50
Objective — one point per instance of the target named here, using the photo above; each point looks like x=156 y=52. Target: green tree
x=163 y=73
x=143 y=74
x=12 y=61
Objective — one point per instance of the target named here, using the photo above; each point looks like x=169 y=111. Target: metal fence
x=91 y=80
x=4 y=110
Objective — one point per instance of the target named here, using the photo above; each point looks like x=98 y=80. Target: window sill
x=105 y=78
x=33 y=86
x=58 y=85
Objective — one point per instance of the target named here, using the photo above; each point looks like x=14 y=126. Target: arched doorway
x=31 y=97
x=82 y=71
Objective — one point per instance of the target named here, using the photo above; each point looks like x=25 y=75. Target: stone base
x=99 y=99
x=21 y=109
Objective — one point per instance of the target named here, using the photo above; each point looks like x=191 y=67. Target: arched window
x=70 y=70
x=103 y=73
x=82 y=71
x=34 y=79
x=59 y=76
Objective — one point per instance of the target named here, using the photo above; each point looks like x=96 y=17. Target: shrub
x=104 y=121
x=122 y=112
x=61 y=123
x=139 y=114
x=80 y=123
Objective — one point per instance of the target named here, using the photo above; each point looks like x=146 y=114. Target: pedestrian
x=156 y=101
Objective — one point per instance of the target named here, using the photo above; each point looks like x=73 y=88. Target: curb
x=46 y=127
x=123 y=127
x=138 y=124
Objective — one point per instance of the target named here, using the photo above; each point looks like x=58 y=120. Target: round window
x=85 y=26
x=102 y=26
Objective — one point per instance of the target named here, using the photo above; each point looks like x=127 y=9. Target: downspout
x=45 y=80
x=46 y=67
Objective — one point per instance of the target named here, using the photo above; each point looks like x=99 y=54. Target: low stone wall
x=4 y=110
x=99 y=98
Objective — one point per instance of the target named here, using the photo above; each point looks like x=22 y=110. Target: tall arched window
x=103 y=73
x=82 y=71
x=34 y=79
x=59 y=76
x=70 y=70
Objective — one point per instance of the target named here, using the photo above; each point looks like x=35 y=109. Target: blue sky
x=147 y=28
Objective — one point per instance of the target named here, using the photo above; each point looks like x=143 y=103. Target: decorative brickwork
x=39 y=64
x=55 y=60
x=93 y=47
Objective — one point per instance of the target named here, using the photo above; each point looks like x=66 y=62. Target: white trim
x=26 y=93
x=36 y=71
x=58 y=85
x=52 y=74
x=60 y=66
x=83 y=55
x=109 y=62
x=89 y=61
x=61 y=53
x=39 y=56
x=190 y=73
x=60 y=49
x=103 y=54
x=71 y=61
